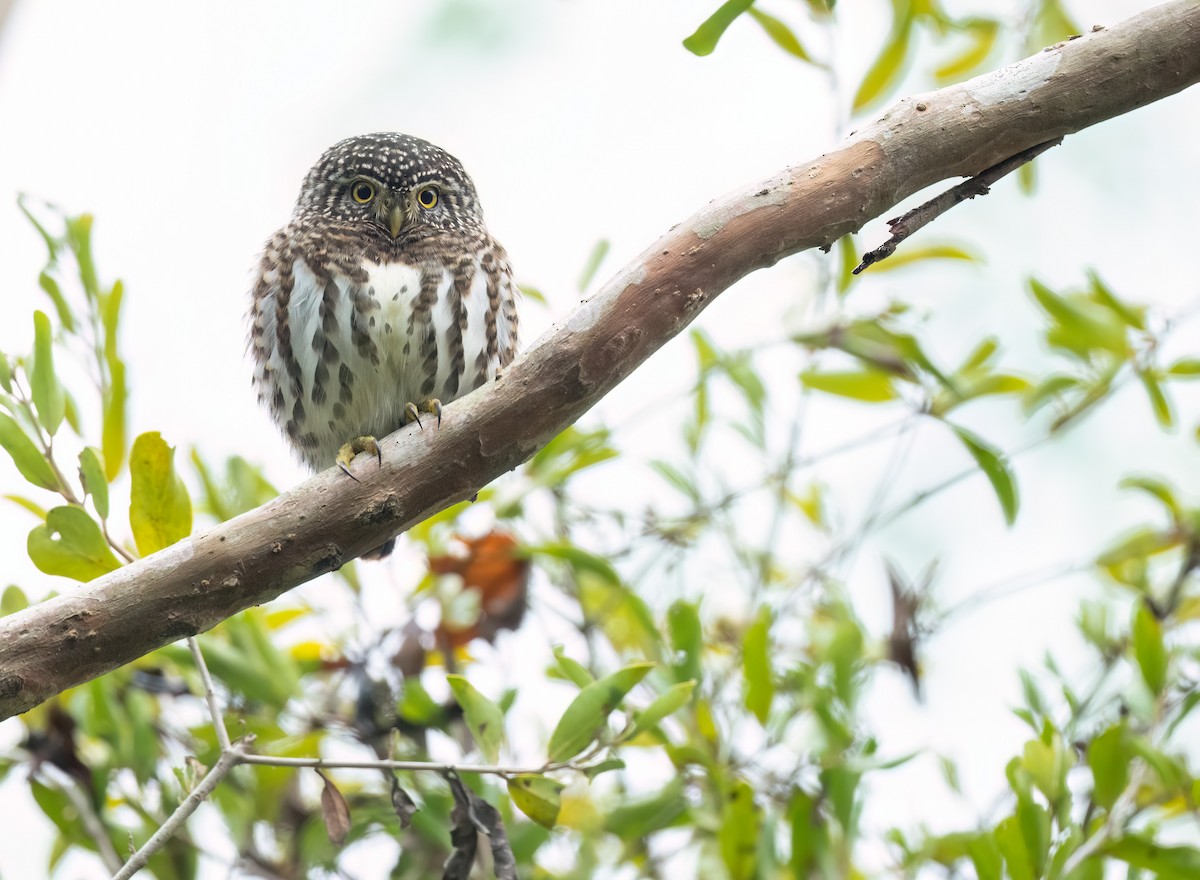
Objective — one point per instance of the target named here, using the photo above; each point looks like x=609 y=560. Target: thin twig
x=228 y=760
x=121 y=551
x=905 y=225
x=210 y=696
x=1010 y=586
x=414 y=766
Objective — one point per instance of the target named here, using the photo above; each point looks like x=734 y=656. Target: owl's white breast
x=395 y=286
x=356 y=352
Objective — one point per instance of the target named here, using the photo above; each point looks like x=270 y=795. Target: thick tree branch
x=327 y=520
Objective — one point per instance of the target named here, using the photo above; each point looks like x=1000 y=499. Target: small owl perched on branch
x=382 y=298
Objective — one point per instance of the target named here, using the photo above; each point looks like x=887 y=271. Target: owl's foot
x=430 y=405
x=354 y=447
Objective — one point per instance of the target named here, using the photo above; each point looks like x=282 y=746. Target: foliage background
x=187 y=132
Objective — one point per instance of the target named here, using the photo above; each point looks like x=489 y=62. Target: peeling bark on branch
x=955 y=132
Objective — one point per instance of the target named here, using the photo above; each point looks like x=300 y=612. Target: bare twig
x=411 y=766
x=235 y=753
x=980 y=185
x=210 y=696
x=228 y=760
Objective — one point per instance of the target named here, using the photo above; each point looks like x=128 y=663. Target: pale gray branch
x=228 y=760
x=324 y=522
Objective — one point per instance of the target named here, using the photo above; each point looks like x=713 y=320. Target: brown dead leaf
x=492 y=566
x=335 y=811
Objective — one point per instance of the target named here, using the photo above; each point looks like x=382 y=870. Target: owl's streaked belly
x=359 y=352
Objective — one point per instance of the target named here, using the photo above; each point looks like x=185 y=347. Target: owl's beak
x=395 y=220
x=390 y=212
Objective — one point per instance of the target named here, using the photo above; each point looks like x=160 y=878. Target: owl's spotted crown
x=399 y=162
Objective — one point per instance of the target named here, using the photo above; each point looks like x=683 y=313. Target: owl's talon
x=430 y=405
x=359 y=444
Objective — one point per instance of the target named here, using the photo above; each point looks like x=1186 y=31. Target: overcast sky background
x=187 y=130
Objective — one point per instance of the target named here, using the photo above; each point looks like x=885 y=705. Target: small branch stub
x=980 y=185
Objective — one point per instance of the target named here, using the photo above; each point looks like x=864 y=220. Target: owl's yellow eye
x=428 y=197
x=362 y=191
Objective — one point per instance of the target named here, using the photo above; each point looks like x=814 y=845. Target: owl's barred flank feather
x=383 y=289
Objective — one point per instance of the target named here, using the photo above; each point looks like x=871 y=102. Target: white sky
x=187 y=130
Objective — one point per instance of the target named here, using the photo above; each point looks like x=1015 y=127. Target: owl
x=384 y=297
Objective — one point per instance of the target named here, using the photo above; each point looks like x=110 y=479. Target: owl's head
x=392 y=185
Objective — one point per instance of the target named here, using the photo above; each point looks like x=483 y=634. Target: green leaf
x=1167 y=862
x=71 y=412
x=28 y=459
x=538 y=797
x=531 y=292
x=27 y=504
x=70 y=544
x=579 y=559
x=667 y=703
x=1012 y=846
x=1184 y=368
x=571 y=669
x=848 y=260
x=44 y=385
x=160 y=510
x=1134 y=316
x=888 y=67
x=871 y=386
x=1157 y=489
x=1138 y=544
x=739 y=832
x=908 y=256
x=982 y=33
x=635 y=820
x=483 y=717
x=781 y=34
x=12 y=600
x=687 y=639
x=1048 y=389
x=1148 y=648
x=5 y=373
x=79 y=239
x=1079 y=325
x=1051 y=23
x=677 y=478
x=1158 y=398
x=91 y=476
x=1047 y=763
x=985 y=856
x=52 y=243
x=595 y=258
x=1027 y=178
x=756 y=667
x=995 y=468
x=591 y=771
x=116 y=393
x=1108 y=757
x=587 y=715
x=65 y=317
x=980 y=355
x=704 y=40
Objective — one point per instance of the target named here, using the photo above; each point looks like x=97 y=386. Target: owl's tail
x=382 y=551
